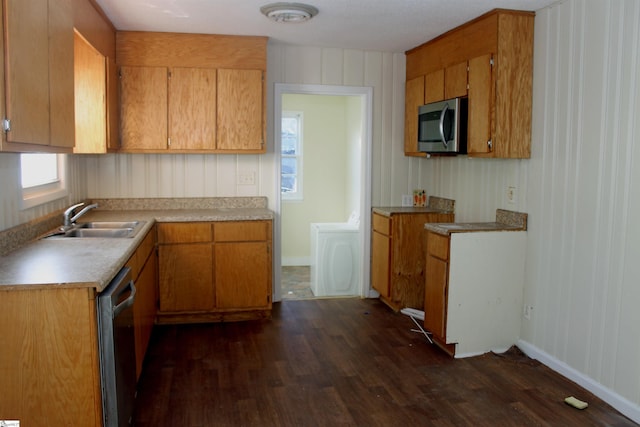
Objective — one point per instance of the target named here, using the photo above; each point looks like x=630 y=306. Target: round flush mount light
x=289 y=12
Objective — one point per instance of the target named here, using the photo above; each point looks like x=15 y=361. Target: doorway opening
x=324 y=190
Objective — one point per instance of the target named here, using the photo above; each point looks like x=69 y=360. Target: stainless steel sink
x=101 y=229
x=108 y=224
x=99 y=232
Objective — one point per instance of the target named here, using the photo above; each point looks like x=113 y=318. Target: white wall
x=581 y=189
x=353 y=161
x=584 y=192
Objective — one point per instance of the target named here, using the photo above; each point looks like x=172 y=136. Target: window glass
x=43 y=178
x=38 y=169
x=291 y=156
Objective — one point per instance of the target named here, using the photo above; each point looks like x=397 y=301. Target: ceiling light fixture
x=289 y=12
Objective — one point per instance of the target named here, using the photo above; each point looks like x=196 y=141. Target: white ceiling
x=378 y=25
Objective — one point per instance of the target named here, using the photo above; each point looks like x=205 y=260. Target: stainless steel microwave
x=442 y=127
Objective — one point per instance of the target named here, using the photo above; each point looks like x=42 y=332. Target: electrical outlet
x=528 y=309
x=248 y=178
x=512 y=195
x=407 y=200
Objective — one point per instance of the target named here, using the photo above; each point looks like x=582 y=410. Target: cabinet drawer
x=184 y=232
x=382 y=224
x=241 y=231
x=438 y=246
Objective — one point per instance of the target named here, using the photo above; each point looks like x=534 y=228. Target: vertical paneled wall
x=178 y=175
x=581 y=189
x=11 y=191
x=584 y=191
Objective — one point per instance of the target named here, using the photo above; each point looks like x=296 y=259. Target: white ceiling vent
x=289 y=12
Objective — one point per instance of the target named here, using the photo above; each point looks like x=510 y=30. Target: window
x=42 y=178
x=291 y=151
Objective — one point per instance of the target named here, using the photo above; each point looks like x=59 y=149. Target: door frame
x=366 y=95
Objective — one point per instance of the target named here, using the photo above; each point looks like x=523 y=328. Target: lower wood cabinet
x=144 y=271
x=49 y=363
x=214 y=271
x=398 y=255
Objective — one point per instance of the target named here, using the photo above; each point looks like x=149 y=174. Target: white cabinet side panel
x=486 y=280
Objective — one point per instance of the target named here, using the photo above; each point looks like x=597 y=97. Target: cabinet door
x=185 y=281
x=242 y=275
x=435 y=297
x=113 y=105
x=39 y=72
x=49 y=357
x=90 y=97
x=380 y=263
x=455 y=81
x=192 y=109
x=414 y=98
x=27 y=70
x=434 y=86
x=145 y=307
x=240 y=110
x=481 y=96
x=61 y=78
x=143 y=98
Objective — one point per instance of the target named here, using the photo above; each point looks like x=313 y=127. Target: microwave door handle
x=441 y=125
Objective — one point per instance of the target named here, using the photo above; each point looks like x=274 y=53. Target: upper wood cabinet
x=42 y=60
x=434 y=86
x=490 y=60
x=241 y=112
x=143 y=100
x=38 y=41
x=413 y=98
x=481 y=95
x=90 y=77
x=192 y=108
x=192 y=92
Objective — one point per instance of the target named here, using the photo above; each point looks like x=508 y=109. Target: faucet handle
x=70 y=209
x=67 y=221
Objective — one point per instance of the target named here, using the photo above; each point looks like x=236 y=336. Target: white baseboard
x=626 y=407
x=295 y=261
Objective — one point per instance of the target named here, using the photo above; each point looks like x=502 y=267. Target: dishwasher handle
x=127 y=302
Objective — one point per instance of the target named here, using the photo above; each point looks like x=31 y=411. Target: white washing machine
x=335 y=258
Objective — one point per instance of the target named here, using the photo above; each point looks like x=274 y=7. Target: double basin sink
x=101 y=229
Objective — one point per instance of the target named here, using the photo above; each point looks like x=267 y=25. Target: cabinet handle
x=441 y=125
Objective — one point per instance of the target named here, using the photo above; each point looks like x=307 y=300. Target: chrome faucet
x=70 y=217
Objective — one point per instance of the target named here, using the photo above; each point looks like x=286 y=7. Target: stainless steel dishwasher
x=117 y=350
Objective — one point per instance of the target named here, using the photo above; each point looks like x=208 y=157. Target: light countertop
x=505 y=221
x=94 y=262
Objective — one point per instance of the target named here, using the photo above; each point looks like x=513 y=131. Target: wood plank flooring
x=344 y=362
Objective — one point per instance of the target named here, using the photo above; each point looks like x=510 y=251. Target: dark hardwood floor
x=344 y=362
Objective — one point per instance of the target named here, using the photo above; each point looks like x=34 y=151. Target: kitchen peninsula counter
x=94 y=262
x=505 y=221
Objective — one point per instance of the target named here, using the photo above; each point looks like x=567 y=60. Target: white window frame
x=47 y=191
x=298 y=195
